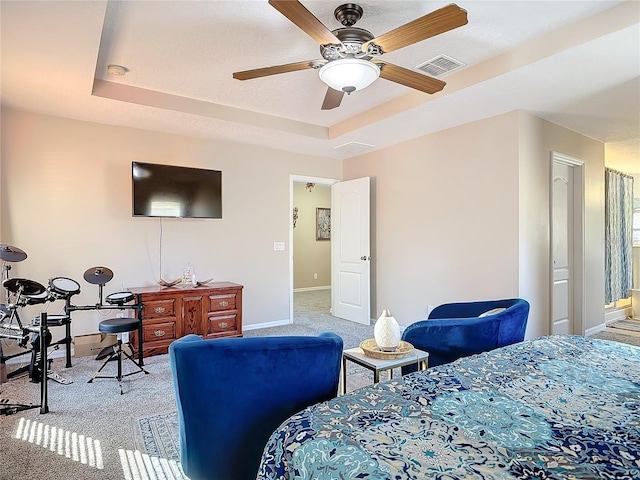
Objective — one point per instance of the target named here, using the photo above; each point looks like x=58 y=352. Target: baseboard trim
x=309 y=289
x=614 y=314
x=593 y=330
x=276 y=323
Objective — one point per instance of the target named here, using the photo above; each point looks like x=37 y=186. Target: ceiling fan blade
x=434 y=23
x=409 y=78
x=289 y=67
x=305 y=20
x=332 y=99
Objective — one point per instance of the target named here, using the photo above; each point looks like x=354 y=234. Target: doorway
x=343 y=229
x=567 y=245
x=310 y=265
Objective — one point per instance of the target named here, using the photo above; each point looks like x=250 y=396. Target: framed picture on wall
x=323 y=224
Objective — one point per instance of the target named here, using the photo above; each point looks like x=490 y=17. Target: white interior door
x=350 y=250
x=562 y=236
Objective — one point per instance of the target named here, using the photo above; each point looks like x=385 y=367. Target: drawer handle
x=159 y=333
x=224 y=303
x=223 y=325
x=159 y=310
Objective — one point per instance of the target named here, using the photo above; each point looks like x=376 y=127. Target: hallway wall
x=311 y=257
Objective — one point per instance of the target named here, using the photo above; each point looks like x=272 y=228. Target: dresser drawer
x=160 y=308
x=153 y=332
x=221 y=323
x=221 y=302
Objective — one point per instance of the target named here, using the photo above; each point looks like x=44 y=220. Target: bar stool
x=118 y=326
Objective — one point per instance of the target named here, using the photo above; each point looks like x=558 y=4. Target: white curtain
x=618 y=235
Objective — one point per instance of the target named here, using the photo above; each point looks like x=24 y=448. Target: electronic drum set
x=23 y=292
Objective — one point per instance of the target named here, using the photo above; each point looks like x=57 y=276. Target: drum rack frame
x=138 y=306
x=11 y=408
x=42 y=329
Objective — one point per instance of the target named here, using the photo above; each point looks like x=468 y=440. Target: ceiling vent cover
x=354 y=148
x=440 y=65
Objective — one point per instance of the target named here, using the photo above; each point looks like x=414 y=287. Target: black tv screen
x=172 y=191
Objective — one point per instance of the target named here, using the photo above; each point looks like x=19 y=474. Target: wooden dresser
x=211 y=311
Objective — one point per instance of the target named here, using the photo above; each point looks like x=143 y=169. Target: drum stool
x=118 y=326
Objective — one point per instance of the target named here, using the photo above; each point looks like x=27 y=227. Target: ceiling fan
x=350 y=55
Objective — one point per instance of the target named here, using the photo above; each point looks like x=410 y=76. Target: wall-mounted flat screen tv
x=172 y=191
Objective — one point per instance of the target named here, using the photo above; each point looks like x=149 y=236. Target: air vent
x=440 y=65
x=354 y=148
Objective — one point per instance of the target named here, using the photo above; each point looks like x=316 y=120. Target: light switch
x=278 y=246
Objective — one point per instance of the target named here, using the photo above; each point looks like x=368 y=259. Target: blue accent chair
x=232 y=393
x=456 y=330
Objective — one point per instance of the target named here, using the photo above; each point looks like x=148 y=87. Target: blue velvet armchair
x=456 y=330
x=233 y=393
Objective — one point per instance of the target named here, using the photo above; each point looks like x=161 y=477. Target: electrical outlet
x=278 y=246
x=125 y=337
x=315 y=276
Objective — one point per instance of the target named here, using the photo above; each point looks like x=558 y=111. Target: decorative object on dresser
x=164 y=283
x=210 y=311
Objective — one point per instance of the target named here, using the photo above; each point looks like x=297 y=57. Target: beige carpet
x=88 y=432
x=93 y=432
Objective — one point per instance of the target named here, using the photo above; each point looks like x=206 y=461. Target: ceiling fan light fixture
x=349 y=74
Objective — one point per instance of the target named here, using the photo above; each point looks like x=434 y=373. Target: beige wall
x=66 y=201
x=463 y=215
x=310 y=256
x=537 y=139
x=620 y=157
x=445 y=217
x=458 y=215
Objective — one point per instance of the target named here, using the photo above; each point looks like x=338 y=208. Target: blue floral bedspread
x=554 y=407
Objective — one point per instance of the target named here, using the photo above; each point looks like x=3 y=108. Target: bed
x=554 y=407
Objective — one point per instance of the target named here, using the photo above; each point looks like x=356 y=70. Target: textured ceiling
x=575 y=63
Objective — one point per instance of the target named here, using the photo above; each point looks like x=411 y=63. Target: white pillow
x=493 y=311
